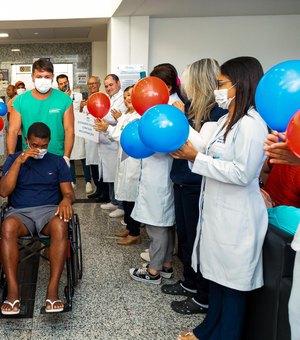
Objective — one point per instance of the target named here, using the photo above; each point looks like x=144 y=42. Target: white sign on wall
x=129 y=74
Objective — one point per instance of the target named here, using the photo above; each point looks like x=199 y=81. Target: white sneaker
x=88 y=188
x=108 y=206
x=145 y=256
x=123 y=222
x=117 y=213
x=73 y=186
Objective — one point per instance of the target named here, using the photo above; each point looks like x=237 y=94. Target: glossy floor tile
x=107 y=303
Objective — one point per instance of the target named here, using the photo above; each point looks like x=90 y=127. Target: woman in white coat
x=154 y=205
x=233 y=218
x=127 y=170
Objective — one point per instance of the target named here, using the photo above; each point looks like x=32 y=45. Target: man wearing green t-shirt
x=47 y=105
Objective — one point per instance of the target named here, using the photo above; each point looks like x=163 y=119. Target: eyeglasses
x=222 y=82
x=94 y=83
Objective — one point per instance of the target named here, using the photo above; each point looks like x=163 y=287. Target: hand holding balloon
x=101 y=125
x=279 y=151
x=187 y=151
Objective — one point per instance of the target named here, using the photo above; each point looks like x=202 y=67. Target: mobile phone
x=66 y=88
x=85 y=95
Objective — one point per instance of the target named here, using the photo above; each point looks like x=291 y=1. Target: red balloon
x=148 y=92
x=1 y=124
x=98 y=104
x=293 y=134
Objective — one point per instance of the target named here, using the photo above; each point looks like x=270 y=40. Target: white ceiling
x=95 y=29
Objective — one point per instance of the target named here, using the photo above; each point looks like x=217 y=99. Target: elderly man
x=108 y=149
x=38 y=184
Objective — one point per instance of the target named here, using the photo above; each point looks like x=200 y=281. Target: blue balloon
x=3 y=109
x=164 y=128
x=277 y=96
x=131 y=142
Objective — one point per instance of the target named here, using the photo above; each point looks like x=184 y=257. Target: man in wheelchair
x=38 y=186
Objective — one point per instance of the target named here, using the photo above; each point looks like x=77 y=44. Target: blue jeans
x=85 y=168
x=225 y=317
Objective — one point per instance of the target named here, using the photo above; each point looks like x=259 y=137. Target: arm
x=13 y=129
x=68 y=122
x=64 y=210
x=279 y=152
x=9 y=180
x=246 y=152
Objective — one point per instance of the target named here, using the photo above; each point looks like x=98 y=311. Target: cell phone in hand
x=85 y=96
x=66 y=88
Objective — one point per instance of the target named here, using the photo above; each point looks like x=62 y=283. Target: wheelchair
x=32 y=246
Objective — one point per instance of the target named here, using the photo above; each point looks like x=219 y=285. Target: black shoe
x=188 y=306
x=102 y=199
x=94 y=195
x=178 y=289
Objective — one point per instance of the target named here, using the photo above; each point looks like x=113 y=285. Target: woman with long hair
x=199 y=81
x=232 y=215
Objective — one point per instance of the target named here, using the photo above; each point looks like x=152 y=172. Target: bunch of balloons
x=98 y=104
x=162 y=127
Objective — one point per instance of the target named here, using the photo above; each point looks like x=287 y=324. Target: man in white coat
x=108 y=148
x=78 y=151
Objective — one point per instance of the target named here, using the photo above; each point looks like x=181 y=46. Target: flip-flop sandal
x=52 y=309
x=12 y=305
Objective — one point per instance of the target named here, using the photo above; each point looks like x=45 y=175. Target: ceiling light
x=15 y=50
x=36 y=33
x=3 y=35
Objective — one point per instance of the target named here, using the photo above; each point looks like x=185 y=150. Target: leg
x=232 y=317
x=57 y=230
x=72 y=169
x=205 y=330
x=12 y=228
x=132 y=225
x=111 y=189
x=170 y=247
x=86 y=171
x=294 y=302
x=159 y=244
x=132 y=232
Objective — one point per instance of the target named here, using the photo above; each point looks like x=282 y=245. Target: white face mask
x=221 y=97
x=41 y=154
x=43 y=85
x=20 y=91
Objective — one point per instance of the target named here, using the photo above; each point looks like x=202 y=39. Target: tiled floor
x=107 y=303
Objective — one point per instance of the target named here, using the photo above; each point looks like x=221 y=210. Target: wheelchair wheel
x=76 y=251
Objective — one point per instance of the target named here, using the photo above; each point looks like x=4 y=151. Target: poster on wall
x=129 y=74
x=3 y=78
x=82 y=78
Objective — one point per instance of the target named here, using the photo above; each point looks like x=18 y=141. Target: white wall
x=181 y=41
x=128 y=42
x=99 y=54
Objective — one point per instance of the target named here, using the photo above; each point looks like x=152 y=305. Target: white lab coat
x=108 y=148
x=155 y=201
x=78 y=151
x=128 y=168
x=233 y=218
